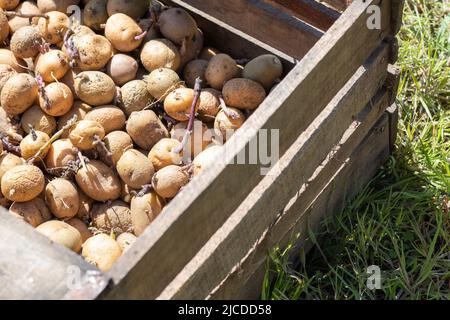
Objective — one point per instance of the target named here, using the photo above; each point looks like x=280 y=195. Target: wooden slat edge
x=307 y=153
x=338 y=4
x=187 y=222
x=397 y=15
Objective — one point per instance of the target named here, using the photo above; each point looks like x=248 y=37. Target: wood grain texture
x=261 y=21
x=348 y=180
x=33 y=267
x=192 y=218
x=310 y=11
x=338 y=4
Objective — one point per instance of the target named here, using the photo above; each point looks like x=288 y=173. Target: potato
x=191 y=49
x=221 y=68
x=207 y=53
x=9 y=161
x=80 y=109
x=109 y=117
x=126 y=240
x=178 y=103
x=59 y=155
x=25 y=42
x=160 y=53
x=122 y=68
x=132 y=8
x=85 y=206
x=114 y=217
x=60 y=99
x=101 y=251
x=61 y=233
x=98 y=181
x=52 y=65
x=55 y=5
x=146 y=129
x=135 y=96
x=81 y=227
x=69 y=80
x=19 y=93
x=95 y=14
x=152 y=30
x=265 y=69
x=225 y=126
x=122 y=31
x=177 y=25
x=55 y=27
x=209 y=105
x=94 y=52
x=6 y=73
x=168 y=181
x=162 y=154
x=243 y=94
x=193 y=70
x=8 y=58
x=205 y=159
x=4 y=27
x=27 y=7
x=38 y=120
x=161 y=82
x=62 y=198
x=33 y=212
x=144 y=210
x=84 y=132
x=135 y=169
x=9 y=4
x=22 y=183
x=127 y=193
x=117 y=142
x=10 y=126
x=201 y=137
x=29 y=147
x=95 y=88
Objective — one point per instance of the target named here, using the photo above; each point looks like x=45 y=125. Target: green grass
x=400 y=222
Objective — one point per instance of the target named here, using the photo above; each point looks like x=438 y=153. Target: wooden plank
x=261 y=21
x=310 y=11
x=33 y=267
x=392 y=82
x=397 y=15
x=355 y=172
x=338 y=4
x=259 y=210
x=192 y=217
x=393 y=113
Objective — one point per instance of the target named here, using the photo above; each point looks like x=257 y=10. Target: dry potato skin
x=33 y=212
x=19 y=93
x=168 y=181
x=61 y=233
x=265 y=69
x=55 y=27
x=110 y=117
x=192 y=48
x=94 y=51
x=79 y=109
x=55 y=5
x=122 y=68
x=133 y=8
x=122 y=32
x=101 y=251
x=95 y=88
x=52 y=66
x=9 y=161
x=225 y=126
x=7 y=57
x=179 y=102
x=29 y=146
x=162 y=154
x=209 y=104
x=243 y=94
x=84 y=132
x=135 y=169
x=25 y=42
x=4 y=26
x=39 y=120
x=135 y=96
x=117 y=142
x=9 y=4
x=114 y=217
x=177 y=25
x=95 y=14
x=81 y=227
x=146 y=129
x=98 y=181
x=59 y=155
x=144 y=210
x=205 y=159
x=6 y=73
x=126 y=240
x=221 y=68
x=201 y=137
x=28 y=7
x=62 y=198
x=60 y=99
x=22 y=183
x=161 y=82
x=193 y=70
x=160 y=53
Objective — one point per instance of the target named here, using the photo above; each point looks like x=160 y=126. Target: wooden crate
x=336 y=118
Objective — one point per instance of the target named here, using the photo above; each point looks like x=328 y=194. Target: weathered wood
x=310 y=11
x=397 y=15
x=338 y=4
x=354 y=173
x=393 y=113
x=259 y=210
x=261 y=21
x=392 y=82
x=33 y=267
x=192 y=218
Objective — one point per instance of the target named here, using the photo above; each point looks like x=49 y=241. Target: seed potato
x=60 y=99
x=265 y=69
x=9 y=4
x=162 y=154
x=177 y=25
x=122 y=68
x=59 y=155
x=132 y=8
x=61 y=233
x=98 y=181
x=95 y=88
x=4 y=26
x=29 y=146
x=123 y=32
x=225 y=126
x=168 y=181
x=114 y=217
x=135 y=96
x=193 y=70
x=55 y=5
x=6 y=73
x=110 y=117
x=243 y=94
x=52 y=66
x=9 y=161
x=209 y=105
x=84 y=132
x=221 y=68
x=62 y=198
x=80 y=109
x=33 y=212
x=117 y=142
x=22 y=183
x=85 y=206
x=191 y=48
x=144 y=210
x=8 y=58
x=161 y=82
x=19 y=93
x=27 y=7
x=55 y=27
x=178 y=103
x=135 y=169
x=95 y=14
x=102 y=251
x=38 y=120
x=146 y=129
x=205 y=159
x=160 y=53
x=126 y=240
x=81 y=227
x=25 y=42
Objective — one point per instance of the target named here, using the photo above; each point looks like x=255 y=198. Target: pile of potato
x=103 y=122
